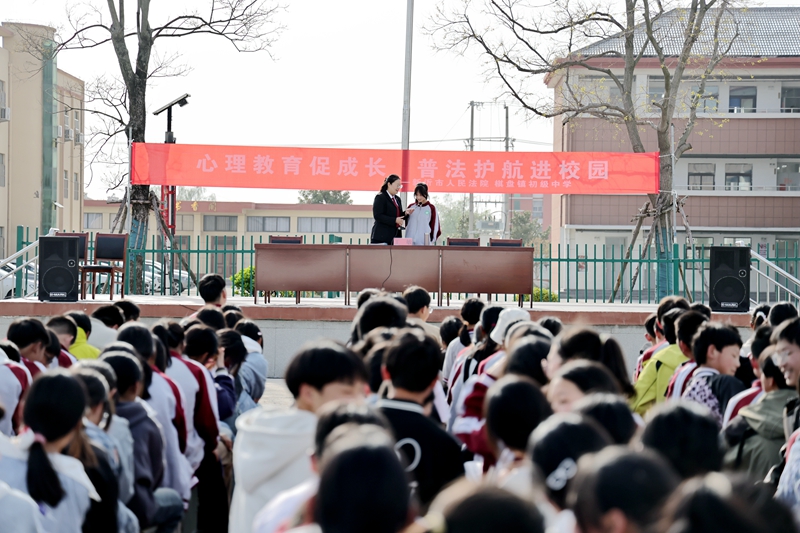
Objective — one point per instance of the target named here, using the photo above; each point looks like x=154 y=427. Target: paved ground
x=276 y=394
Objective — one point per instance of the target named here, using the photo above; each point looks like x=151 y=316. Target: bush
x=242 y=282
x=540 y=295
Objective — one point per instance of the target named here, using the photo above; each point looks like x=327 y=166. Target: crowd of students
x=490 y=422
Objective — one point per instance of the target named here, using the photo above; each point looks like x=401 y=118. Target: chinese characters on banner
x=365 y=170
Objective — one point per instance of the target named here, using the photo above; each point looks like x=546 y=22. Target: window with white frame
x=701 y=176
x=333 y=225
x=2 y=170
x=184 y=222
x=76 y=186
x=66 y=117
x=77 y=120
x=219 y=223
x=93 y=221
x=268 y=224
x=66 y=185
x=742 y=99
x=738 y=177
x=737 y=241
x=708 y=102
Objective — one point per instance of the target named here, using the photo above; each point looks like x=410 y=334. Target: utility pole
x=507 y=197
x=471 y=149
x=405 y=142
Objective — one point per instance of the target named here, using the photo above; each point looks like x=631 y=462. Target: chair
x=110 y=247
x=463 y=242
x=83 y=253
x=285 y=239
x=508 y=243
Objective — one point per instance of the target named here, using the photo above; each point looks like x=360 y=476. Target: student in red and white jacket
x=685 y=328
x=31 y=338
x=66 y=330
x=14 y=383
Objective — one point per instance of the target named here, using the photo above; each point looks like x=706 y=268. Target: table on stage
x=352 y=268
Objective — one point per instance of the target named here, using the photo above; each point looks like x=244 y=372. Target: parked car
x=8 y=284
x=156 y=272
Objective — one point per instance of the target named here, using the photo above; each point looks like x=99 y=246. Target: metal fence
x=574 y=273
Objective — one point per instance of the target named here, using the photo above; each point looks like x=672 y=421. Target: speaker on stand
x=729 y=279
x=58 y=269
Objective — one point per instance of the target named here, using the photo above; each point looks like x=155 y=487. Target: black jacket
x=385 y=214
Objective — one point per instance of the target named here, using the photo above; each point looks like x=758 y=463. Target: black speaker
x=58 y=269
x=729 y=279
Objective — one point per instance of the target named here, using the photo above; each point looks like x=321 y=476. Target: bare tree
x=589 y=51
x=247 y=25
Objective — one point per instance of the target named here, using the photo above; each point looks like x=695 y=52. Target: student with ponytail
x=33 y=462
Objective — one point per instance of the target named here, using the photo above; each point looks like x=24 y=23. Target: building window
x=66 y=185
x=268 y=224
x=3 y=241
x=701 y=176
x=788 y=176
x=333 y=225
x=538 y=209
x=184 y=222
x=362 y=225
x=709 y=100
x=219 y=223
x=2 y=93
x=790 y=100
x=655 y=91
x=701 y=251
x=223 y=263
x=76 y=187
x=77 y=120
x=66 y=117
x=742 y=100
x=738 y=177
x=737 y=241
x=2 y=170
x=93 y=221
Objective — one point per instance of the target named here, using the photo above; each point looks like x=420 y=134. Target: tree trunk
x=663 y=239
x=140 y=194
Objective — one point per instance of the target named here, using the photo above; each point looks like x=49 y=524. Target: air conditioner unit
x=78 y=137
x=59 y=132
x=67 y=134
x=5 y=114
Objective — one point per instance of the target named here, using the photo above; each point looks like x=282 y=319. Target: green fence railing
x=573 y=273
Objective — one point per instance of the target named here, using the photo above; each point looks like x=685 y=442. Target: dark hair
x=27 y=331
x=526 y=359
x=667 y=303
x=120 y=346
x=248 y=328
x=416 y=298
x=54 y=406
x=487 y=508
x=422 y=189
x=713 y=334
x=526 y=328
x=127 y=369
x=770 y=369
x=719 y=503
x=513 y=408
x=82 y=320
x=110 y=315
x=200 y=340
x=687 y=436
x=471 y=310
x=635 y=482
x=761 y=338
x=650 y=324
x=760 y=315
x=780 y=313
x=210 y=287
x=557 y=444
x=611 y=412
x=232 y=317
x=668 y=322
x=363 y=489
x=170 y=332
x=701 y=308
x=337 y=414
x=413 y=360
x=162 y=357
x=230 y=307
x=585 y=343
x=138 y=336
x=126 y=347
x=379 y=311
x=589 y=376
x=235 y=352
x=323 y=362
x=788 y=330
x=212 y=317
x=374 y=362
x=687 y=325
x=54 y=346
x=389 y=180
x=552 y=324
x=449 y=329
x=365 y=295
x=129 y=309
x=485 y=346
x=11 y=350
x=97 y=389
x=63 y=325
x=99 y=366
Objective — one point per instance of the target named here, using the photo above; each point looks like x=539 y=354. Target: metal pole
x=129 y=215
x=471 y=148
x=507 y=197
x=407 y=95
x=674 y=194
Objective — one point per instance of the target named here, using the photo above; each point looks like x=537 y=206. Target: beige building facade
x=41 y=136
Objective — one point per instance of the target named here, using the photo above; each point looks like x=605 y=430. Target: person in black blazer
x=387 y=210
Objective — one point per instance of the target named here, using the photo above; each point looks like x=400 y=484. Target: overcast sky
x=336 y=79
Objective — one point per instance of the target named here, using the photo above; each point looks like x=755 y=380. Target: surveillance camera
x=181 y=101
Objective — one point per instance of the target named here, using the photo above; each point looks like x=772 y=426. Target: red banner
x=337 y=169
